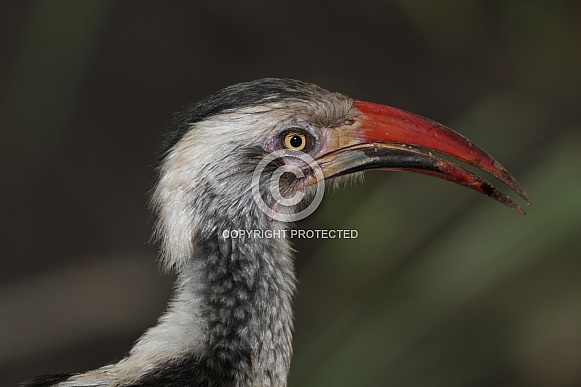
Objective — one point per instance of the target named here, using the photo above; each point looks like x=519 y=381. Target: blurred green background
x=443 y=287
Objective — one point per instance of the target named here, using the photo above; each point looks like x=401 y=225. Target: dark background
x=443 y=287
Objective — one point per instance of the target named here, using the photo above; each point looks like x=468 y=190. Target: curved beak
x=382 y=137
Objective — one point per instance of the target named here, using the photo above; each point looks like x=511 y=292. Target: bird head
x=208 y=178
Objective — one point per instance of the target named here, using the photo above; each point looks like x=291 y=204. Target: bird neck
x=230 y=320
x=228 y=324
x=247 y=288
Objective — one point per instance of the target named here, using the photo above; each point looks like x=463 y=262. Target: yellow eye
x=295 y=141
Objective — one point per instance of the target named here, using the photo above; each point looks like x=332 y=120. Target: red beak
x=382 y=137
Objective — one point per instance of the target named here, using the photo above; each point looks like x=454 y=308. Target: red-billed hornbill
x=230 y=320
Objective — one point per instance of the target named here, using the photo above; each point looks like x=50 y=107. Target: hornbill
x=229 y=322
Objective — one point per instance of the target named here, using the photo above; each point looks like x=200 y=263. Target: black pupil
x=296 y=141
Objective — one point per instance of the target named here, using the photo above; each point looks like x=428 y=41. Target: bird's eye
x=295 y=141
